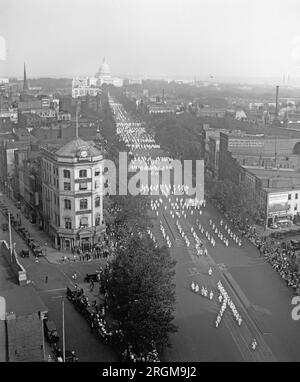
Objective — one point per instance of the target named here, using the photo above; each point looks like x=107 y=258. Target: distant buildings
x=272 y=175
x=83 y=86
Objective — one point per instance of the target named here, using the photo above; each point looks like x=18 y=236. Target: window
x=97 y=201
x=67 y=204
x=82 y=174
x=96 y=183
x=296 y=207
x=68 y=223
x=83 y=204
x=296 y=195
x=67 y=186
x=82 y=186
x=97 y=172
x=289 y=197
x=67 y=174
x=84 y=222
x=97 y=221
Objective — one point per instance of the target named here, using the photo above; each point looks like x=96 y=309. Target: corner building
x=72 y=193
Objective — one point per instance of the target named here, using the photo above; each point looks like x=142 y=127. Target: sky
x=225 y=38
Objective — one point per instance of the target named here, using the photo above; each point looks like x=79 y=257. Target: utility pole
x=63 y=329
x=10 y=241
x=43 y=336
x=276 y=152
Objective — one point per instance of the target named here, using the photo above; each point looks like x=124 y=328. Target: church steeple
x=25 y=84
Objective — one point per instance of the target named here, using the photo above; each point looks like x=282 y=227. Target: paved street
x=269 y=299
x=78 y=334
x=259 y=293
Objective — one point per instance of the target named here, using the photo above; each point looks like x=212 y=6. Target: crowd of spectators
x=282 y=256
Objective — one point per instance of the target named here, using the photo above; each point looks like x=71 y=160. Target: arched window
x=67 y=174
x=296 y=149
x=97 y=201
x=83 y=204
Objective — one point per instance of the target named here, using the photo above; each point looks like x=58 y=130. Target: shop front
x=278 y=211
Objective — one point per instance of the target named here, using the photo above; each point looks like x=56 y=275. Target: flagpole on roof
x=76 y=126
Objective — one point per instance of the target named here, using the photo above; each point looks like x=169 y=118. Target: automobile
x=21 y=230
x=24 y=253
x=4 y=227
x=37 y=250
x=29 y=241
x=50 y=332
x=70 y=356
x=91 y=277
x=24 y=234
x=13 y=221
x=27 y=238
x=18 y=205
x=273 y=226
x=32 y=244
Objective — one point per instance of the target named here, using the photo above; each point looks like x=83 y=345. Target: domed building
x=104 y=76
x=72 y=193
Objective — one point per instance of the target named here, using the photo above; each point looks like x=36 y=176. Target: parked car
x=37 y=250
x=50 y=332
x=91 y=277
x=4 y=227
x=32 y=244
x=24 y=253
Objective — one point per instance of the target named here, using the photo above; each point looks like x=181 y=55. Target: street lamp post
x=63 y=329
x=10 y=241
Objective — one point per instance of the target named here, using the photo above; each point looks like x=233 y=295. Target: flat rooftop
x=273 y=173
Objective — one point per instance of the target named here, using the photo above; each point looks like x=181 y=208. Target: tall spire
x=25 y=84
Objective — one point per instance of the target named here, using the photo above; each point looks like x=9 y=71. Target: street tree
x=141 y=293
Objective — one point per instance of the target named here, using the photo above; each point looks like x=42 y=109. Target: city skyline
x=151 y=38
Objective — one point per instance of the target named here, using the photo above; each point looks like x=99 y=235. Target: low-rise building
x=24 y=314
x=277 y=192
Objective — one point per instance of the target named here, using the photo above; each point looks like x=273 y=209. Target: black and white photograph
x=149 y=184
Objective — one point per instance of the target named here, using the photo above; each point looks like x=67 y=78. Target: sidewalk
x=51 y=254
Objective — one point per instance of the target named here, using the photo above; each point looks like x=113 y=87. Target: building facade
x=83 y=86
x=72 y=189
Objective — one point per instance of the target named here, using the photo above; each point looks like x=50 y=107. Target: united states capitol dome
x=104 y=69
